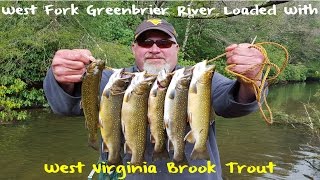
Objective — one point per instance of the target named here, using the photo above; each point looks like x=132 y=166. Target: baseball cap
x=156 y=24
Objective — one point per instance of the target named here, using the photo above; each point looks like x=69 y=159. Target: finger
x=67 y=63
x=244 y=45
x=83 y=51
x=231 y=47
x=249 y=71
x=73 y=55
x=246 y=51
x=244 y=60
x=71 y=79
x=229 y=54
x=76 y=65
x=86 y=53
x=62 y=71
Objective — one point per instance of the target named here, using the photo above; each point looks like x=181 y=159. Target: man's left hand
x=245 y=57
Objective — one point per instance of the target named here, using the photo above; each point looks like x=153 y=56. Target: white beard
x=155 y=69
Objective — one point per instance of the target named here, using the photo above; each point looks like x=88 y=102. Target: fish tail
x=117 y=161
x=196 y=154
x=160 y=155
x=183 y=161
x=93 y=142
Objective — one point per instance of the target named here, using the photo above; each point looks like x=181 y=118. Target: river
x=47 y=138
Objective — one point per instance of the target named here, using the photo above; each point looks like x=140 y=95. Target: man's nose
x=154 y=49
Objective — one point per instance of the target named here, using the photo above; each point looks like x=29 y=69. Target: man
x=155 y=47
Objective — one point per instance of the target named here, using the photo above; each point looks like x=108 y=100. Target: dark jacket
x=223 y=92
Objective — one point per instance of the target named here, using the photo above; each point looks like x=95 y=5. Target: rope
x=265 y=81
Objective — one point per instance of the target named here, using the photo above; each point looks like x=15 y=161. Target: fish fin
x=80 y=105
x=166 y=125
x=93 y=141
x=127 y=149
x=105 y=148
x=149 y=121
x=153 y=92
x=172 y=94
x=127 y=97
x=196 y=154
x=100 y=122
x=152 y=139
x=164 y=155
x=212 y=116
x=170 y=145
x=189 y=118
x=190 y=137
x=193 y=88
x=117 y=162
x=123 y=127
x=107 y=93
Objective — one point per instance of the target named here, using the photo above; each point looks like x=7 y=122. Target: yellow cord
x=265 y=81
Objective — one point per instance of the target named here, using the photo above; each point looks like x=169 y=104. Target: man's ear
x=133 y=48
x=178 y=47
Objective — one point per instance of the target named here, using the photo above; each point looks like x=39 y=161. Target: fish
x=156 y=114
x=175 y=114
x=200 y=112
x=134 y=116
x=90 y=100
x=110 y=115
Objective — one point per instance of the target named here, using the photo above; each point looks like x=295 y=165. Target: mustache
x=154 y=57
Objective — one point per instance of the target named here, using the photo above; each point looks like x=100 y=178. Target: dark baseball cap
x=156 y=24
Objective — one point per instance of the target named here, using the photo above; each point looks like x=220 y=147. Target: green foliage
x=15 y=95
x=120 y=56
x=28 y=42
x=294 y=73
x=317 y=94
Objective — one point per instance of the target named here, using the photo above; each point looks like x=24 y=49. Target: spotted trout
x=134 y=117
x=175 y=113
x=90 y=100
x=110 y=115
x=200 y=109
x=156 y=113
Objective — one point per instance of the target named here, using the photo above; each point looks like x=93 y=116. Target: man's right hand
x=68 y=67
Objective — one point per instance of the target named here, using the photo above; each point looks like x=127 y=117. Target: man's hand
x=245 y=58
x=68 y=67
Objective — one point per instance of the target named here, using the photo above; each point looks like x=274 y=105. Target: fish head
x=95 y=67
x=164 y=79
x=184 y=81
x=101 y=64
x=141 y=83
x=207 y=74
x=197 y=71
x=145 y=84
x=122 y=81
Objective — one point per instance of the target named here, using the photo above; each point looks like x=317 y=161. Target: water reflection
x=249 y=141
x=49 y=138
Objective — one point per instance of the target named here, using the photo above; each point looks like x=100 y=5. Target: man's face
x=153 y=59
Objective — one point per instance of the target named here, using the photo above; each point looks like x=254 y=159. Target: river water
x=47 y=138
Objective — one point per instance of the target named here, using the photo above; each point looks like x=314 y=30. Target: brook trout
x=199 y=109
x=134 y=117
x=175 y=113
x=110 y=115
x=156 y=113
x=90 y=100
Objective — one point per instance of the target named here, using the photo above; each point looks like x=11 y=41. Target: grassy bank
x=310 y=119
